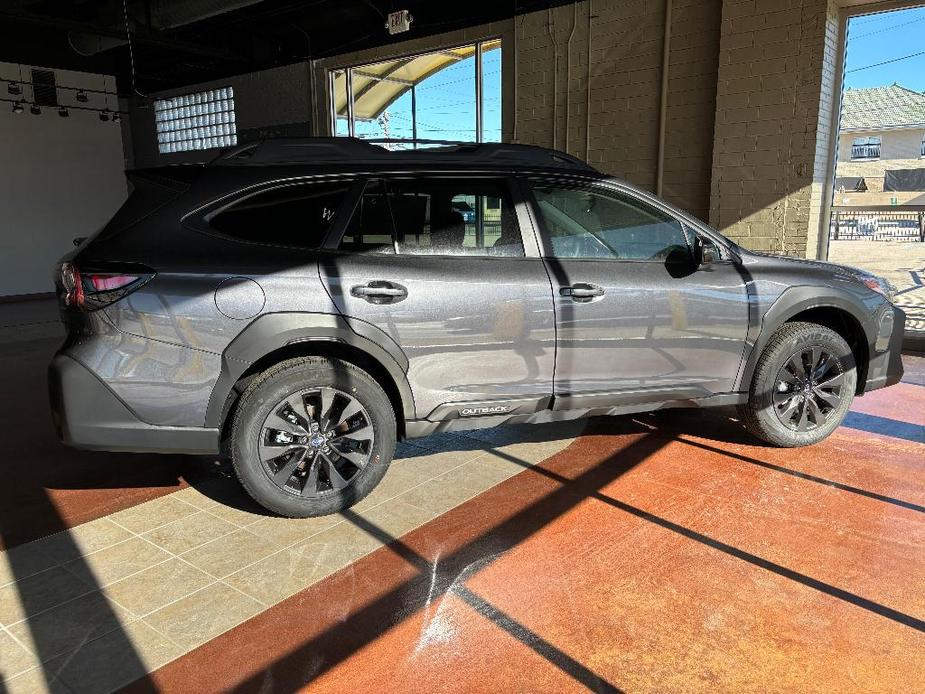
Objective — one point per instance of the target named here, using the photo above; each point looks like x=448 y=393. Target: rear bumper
x=88 y=415
x=886 y=366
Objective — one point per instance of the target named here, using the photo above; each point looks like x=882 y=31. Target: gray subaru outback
x=301 y=305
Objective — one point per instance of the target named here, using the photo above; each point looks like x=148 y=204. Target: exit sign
x=398 y=22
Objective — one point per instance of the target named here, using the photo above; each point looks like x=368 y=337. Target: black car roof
x=347 y=151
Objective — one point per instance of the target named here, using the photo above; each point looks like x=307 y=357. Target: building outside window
x=452 y=94
x=865 y=148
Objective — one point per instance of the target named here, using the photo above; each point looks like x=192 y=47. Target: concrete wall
x=60 y=178
x=264 y=101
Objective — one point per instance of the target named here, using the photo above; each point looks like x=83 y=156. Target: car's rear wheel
x=803 y=386
x=312 y=436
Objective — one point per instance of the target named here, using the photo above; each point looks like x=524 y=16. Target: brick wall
x=693 y=63
x=619 y=134
x=773 y=105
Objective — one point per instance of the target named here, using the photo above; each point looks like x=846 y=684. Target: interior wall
x=61 y=178
x=269 y=102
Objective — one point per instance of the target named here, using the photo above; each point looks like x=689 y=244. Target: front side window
x=292 y=215
x=865 y=148
x=455 y=217
x=589 y=223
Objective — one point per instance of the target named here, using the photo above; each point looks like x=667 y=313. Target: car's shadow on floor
x=715 y=424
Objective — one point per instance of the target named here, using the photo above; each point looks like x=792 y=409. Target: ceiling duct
x=169 y=14
x=164 y=14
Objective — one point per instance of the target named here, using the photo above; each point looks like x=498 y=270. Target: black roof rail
x=352 y=150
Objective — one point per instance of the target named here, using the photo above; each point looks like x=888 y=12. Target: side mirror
x=706 y=252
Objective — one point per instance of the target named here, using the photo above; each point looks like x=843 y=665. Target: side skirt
x=424 y=427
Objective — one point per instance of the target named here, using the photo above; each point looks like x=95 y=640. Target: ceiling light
x=14 y=88
x=17 y=107
x=35 y=110
x=81 y=96
x=63 y=112
x=116 y=117
x=104 y=116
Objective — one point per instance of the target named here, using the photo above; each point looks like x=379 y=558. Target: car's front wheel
x=312 y=436
x=803 y=385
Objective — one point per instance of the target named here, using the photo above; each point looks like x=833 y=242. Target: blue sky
x=446 y=105
x=882 y=37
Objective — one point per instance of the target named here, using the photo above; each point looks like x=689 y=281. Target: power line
x=887 y=62
x=889 y=28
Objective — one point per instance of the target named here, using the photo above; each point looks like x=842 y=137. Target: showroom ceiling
x=181 y=42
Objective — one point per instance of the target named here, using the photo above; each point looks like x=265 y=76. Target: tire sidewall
x=268 y=392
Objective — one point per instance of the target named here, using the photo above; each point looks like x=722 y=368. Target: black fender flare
x=792 y=301
x=273 y=331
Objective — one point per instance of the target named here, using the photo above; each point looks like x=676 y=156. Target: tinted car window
x=294 y=215
x=586 y=223
x=455 y=217
x=370 y=228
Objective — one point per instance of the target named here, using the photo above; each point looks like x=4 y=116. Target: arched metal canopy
x=377 y=86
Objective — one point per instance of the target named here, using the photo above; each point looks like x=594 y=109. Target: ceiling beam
x=139 y=35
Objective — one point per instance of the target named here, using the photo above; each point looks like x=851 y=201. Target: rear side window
x=370 y=228
x=455 y=217
x=292 y=215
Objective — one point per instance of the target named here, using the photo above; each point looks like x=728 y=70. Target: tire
x=312 y=476
x=790 y=406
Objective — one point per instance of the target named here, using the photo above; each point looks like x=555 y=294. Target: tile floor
x=161 y=578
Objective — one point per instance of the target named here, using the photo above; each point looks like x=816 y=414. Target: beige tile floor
x=97 y=606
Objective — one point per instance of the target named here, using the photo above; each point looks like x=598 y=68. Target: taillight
x=94 y=289
x=72 y=286
x=110 y=281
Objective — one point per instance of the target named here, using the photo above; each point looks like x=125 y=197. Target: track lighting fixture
x=63 y=112
x=17 y=107
x=35 y=110
x=14 y=88
x=104 y=116
x=116 y=117
x=81 y=96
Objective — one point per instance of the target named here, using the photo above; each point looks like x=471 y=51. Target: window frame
x=330 y=75
x=521 y=214
x=199 y=218
x=608 y=188
x=868 y=143
x=199 y=108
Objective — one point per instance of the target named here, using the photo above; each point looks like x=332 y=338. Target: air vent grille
x=45 y=92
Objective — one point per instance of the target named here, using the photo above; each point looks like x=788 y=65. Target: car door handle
x=379 y=292
x=581 y=291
